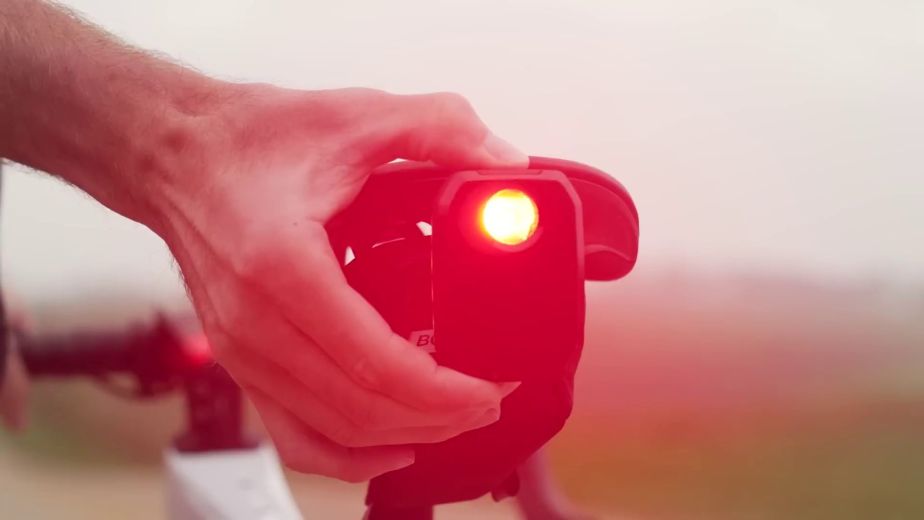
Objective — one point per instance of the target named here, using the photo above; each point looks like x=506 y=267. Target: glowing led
x=510 y=217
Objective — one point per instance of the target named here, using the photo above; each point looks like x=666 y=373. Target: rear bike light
x=510 y=217
x=501 y=310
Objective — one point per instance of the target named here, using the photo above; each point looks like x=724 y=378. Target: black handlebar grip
x=91 y=353
x=74 y=354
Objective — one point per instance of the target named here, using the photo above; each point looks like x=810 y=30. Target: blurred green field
x=704 y=398
x=825 y=463
x=749 y=399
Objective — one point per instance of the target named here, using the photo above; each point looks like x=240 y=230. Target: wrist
x=176 y=154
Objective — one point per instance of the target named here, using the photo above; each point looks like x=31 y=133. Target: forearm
x=77 y=103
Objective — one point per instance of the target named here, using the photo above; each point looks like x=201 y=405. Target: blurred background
x=765 y=359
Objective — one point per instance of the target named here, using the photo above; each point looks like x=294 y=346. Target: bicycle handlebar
x=154 y=354
x=84 y=354
x=160 y=359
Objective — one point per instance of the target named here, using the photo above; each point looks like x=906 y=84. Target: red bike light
x=500 y=290
x=510 y=217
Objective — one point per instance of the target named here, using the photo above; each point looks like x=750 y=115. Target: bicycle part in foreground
x=214 y=468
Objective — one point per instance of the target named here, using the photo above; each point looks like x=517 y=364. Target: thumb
x=445 y=129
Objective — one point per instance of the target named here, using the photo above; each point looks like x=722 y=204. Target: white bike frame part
x=245 y=484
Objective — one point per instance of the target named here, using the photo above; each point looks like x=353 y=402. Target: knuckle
x=453 y=103
x=460 y=117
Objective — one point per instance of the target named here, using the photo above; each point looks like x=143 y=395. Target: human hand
x=338 y=391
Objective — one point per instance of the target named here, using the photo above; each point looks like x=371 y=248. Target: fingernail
x=508 y=387
x=504 y=152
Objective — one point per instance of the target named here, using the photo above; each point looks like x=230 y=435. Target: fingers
x=299 y=273
x=445 y=129
x=354 y=427
x=305 y=450
x=300 y=367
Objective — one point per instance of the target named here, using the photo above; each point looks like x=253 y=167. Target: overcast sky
x=781 y=136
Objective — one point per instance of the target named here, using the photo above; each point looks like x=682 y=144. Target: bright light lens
x=510 y=217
